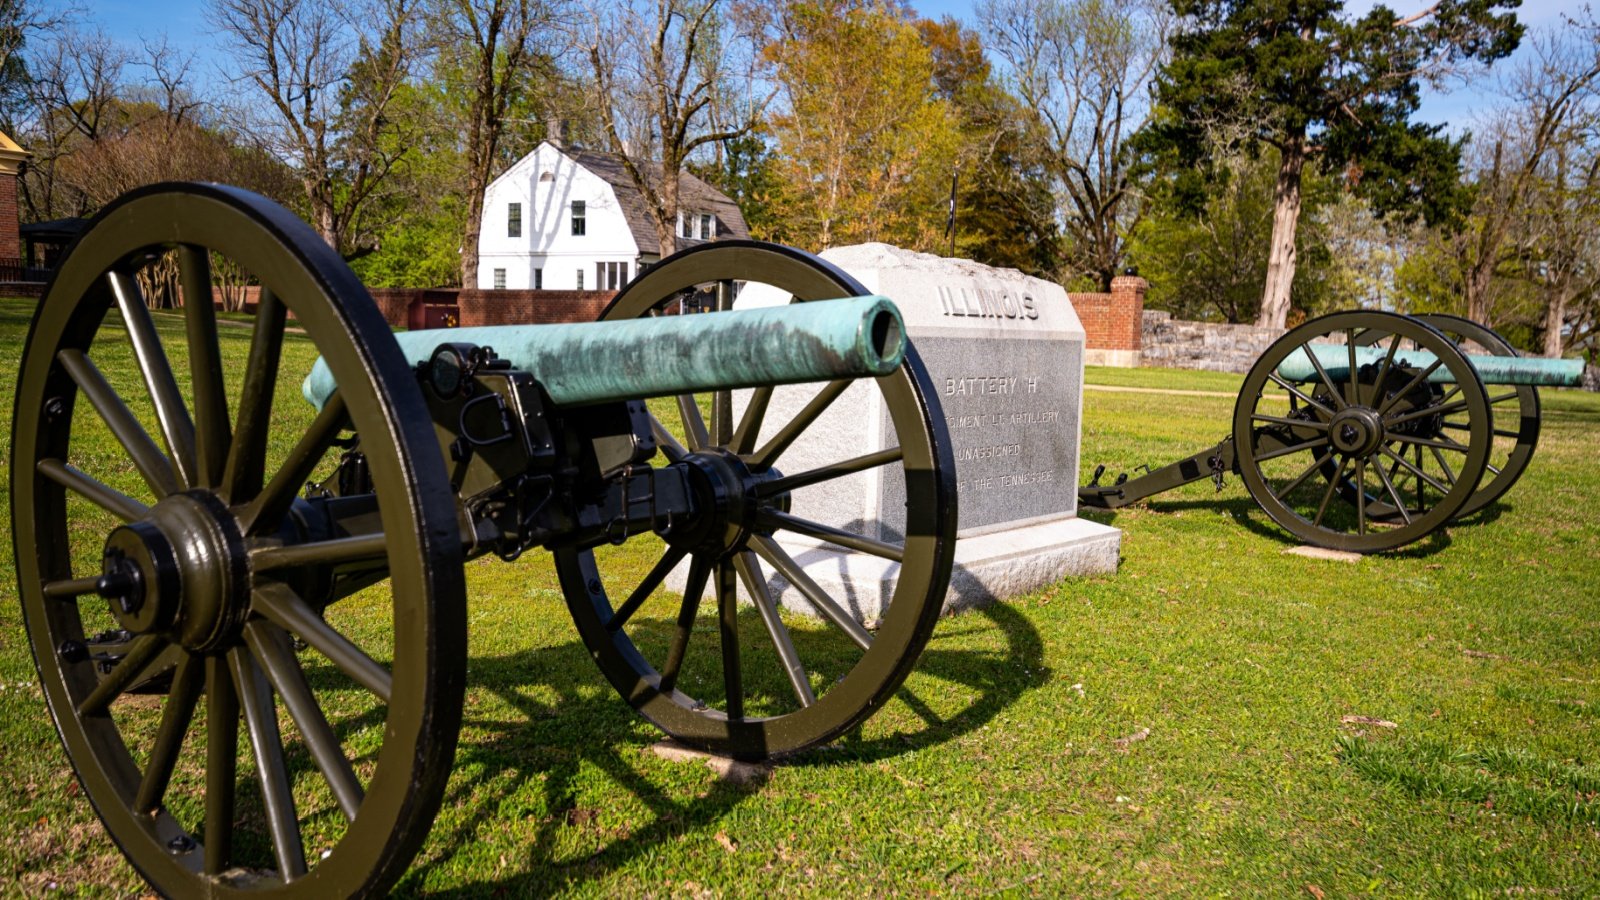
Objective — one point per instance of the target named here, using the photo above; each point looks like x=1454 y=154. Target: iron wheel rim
x=1261 y=435
x=397 y=802
x=918 y=594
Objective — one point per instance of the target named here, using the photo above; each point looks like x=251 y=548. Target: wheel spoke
x=772 y=449
x=1388 y=485
x=288 y=611
x=141 y=653
x=778 y=519
x=171 y=414
x=1333 y=390
x=791 y=570
x=261 y=722
x=222 y=763
x=744 y=437
x=1388 y=362
x=1354 y=385
x=664 y=439
x=213 y=431
x=1416 y=379
x=1361 y=496
x=272 y=504
x=147 y=457
x=699 y=570
x=187 y=680
x=1441 y=444
x=247 y=454
x=1294 y=448
x=1273 y=376
x=1293 y=423
x=749 y=569
x=694 y=427
x=1316 y=464
x=71 y=587
x=1435 y=410
x=1417 y=471
x=337 y=551
x=728 y=616
x=826 y=473
x=1503 y=398
x=667 y=563
x=1322 y=508
x=107 y=498
x=276 y=657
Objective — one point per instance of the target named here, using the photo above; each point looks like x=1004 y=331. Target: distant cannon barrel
x=596 y=362
x=1499 y=370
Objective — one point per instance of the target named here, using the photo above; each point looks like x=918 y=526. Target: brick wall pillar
x=1127 y=315
x=11 y=159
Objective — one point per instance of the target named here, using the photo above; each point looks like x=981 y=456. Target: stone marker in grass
x=1005 y=353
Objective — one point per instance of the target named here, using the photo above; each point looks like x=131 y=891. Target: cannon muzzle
x=1503 y=370
x=597 y=362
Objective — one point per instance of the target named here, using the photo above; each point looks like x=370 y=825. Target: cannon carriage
x=198 y=530
x=1368 y=431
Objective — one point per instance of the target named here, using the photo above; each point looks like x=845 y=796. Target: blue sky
x=183 y=23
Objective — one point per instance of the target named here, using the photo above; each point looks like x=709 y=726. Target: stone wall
x=1212 y=346
x=1112 y=323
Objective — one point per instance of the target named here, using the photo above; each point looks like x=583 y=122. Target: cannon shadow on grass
x=517 y=751
x=1247 y=514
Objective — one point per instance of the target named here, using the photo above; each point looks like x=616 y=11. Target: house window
x=579 y=221
x=546 y=176
x=538 y=279
x=707 y=227
x=499 y=279
x=580 y=279
x=514 y=220
x=610 y=276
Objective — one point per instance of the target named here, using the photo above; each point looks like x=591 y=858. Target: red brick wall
x=404 y=307
x=1113 y=321
x=10 y=241
x=480 y=307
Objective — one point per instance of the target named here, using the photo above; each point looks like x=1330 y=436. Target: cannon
x=289 y=575
x=1367 y=431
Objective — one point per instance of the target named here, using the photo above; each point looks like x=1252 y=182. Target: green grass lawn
x=1005 y=765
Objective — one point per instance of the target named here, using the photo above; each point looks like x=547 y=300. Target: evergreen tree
x=1319 y=85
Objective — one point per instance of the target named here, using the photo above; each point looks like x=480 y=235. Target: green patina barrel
x=595 y=362
x=1335 y=359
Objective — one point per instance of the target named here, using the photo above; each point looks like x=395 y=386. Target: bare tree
x=322 y=76
x=660 y=68
x=74 y=84
x=494 y=45
x=1550 y=97
x=1082 y=69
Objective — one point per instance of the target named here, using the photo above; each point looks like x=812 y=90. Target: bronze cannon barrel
x=1502 y=370
x=596 y=362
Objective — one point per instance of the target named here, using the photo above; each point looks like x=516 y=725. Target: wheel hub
x=727 y=507
x=180 y=570
x=1356 y=431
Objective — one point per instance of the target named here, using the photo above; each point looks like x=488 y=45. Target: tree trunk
x=1479 y=275
x=1555 y=314
x=1275 y=296
x=667 y=220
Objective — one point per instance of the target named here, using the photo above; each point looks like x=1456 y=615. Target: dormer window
x=698 y=226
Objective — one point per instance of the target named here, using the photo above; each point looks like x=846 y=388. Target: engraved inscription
x=987 y=303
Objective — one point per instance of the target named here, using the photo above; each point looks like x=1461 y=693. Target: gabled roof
x=694 y=195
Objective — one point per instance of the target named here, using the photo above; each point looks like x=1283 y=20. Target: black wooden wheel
x=1515 y=411
x=759 y=687
x=1407 y=436
x=164 y=511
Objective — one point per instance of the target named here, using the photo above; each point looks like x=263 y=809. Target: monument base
x=988 y=567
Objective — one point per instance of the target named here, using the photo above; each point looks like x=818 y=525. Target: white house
x=562 y=218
